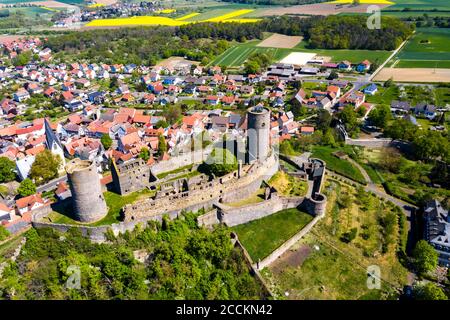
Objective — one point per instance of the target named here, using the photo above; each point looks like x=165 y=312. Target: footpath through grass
x=262 y=236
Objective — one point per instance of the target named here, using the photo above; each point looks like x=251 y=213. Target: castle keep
x=258 y=134
x=88 y=202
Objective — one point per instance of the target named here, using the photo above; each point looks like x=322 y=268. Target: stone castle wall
x=228 y=188
x=236 y=216
x=181 y=160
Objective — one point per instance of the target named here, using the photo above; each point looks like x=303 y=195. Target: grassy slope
x=261 y=237
x=338 y=165
x=337 y=270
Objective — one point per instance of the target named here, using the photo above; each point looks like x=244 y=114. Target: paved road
x=51 y=185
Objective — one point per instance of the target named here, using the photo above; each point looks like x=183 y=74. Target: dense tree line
x=351 y=32
x=185 y=262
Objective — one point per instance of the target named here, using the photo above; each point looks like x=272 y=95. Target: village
x=115 y=115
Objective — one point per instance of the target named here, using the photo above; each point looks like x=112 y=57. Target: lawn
x=63 y=212
x=329 y=268
x=262 y=236
x=162 y=175
x=384 y=95
x=428 y=48
x=340 y=166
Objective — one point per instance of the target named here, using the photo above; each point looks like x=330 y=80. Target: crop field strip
x=166 y=21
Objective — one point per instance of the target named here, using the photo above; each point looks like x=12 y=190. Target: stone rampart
x=287 y=245
x=236 y=216
x=204 y=194
x=181 y=160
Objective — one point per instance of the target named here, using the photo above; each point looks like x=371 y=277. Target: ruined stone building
x=130 y=176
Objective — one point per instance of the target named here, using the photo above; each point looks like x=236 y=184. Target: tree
x=22 y=58
x=333 y=75
x=26 y=188
x=162 y=145
x=380 y=116
x=401 y=130
x=161 y=124
x=349 y=117
x=391 y=160
x=389 y=83
x=323 y=120
x=425 y=257
x=220 y=162
x=106 y=141
x=328 y=138
x=144 y=154
x=251 y=67
x=172 y=113
x=432 y=145
x=7 y=168
x=430 y=291
x=45 y=167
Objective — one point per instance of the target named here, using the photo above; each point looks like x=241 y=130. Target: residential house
x=437 y=230
x=30 y=203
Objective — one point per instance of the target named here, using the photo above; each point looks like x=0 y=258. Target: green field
x=262 y=236
x=340 y=166
x=428 y=48
x=238 y=54
x=422 y=5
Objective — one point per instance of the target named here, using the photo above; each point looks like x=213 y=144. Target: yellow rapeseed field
x=141 y=20
x=96 y=5
x=230 y=15
x=364 y=1
x=166 y=11
x=188 y=16
x=165 y=21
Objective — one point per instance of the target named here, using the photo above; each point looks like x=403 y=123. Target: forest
x=184 y=262
x=204 y=41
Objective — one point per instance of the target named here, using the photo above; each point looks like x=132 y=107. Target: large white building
x=437 y=230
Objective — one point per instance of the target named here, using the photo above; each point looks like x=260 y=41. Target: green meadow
x=428 y=48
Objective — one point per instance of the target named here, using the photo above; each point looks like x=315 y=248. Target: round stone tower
x=258 y=134
x=88 y=202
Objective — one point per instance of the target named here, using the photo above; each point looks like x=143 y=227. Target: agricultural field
x=330 y=262
x=237 y=55
x=428 y=48
x=422 y=5
x=233 y=16
x=260 y=237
